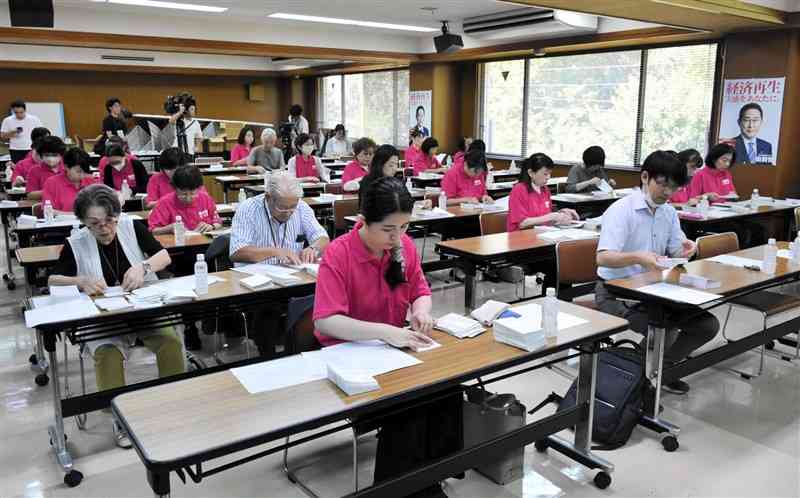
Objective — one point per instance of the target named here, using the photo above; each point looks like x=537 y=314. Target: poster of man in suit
x=751 y=118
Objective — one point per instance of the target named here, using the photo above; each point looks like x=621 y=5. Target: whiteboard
x=52 y=116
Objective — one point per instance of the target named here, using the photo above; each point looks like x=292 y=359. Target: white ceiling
x=785 y=5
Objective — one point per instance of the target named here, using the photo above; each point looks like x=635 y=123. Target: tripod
x=180 y=133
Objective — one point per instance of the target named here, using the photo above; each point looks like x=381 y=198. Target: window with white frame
x=629 y=102
x=371 y=105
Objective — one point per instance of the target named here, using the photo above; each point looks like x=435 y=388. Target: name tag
x=725 y=181
x=203 y=213
x=131 y=178
x=476 y=182
x=547 y=204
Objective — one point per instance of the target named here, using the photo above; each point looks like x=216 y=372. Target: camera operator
x=298 y=120
x=183 y=106
x=114 y=124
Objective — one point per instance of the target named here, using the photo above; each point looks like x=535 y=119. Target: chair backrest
x=493 y=223
x=576 y=261
x=208 y=160
x=341 y=209
x=334 y=188
x=217 y=254
x=712 y=245
x=300 y=325
x=797 y=218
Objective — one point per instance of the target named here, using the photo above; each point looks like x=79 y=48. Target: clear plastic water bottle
x=796 y=249
x=267 y=175
x=550 y=316
x=201 y=275
x=409 y=184
x=442 y=200
x=703 y=207
x=76 y=228
x=754 y=199
x=242 y=196
x=513 y=165
x=180 y=231
x=770 y=257
x=49 y=214
x=125 y=189
x=489 y=179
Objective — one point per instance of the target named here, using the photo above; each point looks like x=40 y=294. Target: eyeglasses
x=751 y=121
x=280 y=209
x=665 y=185
x=95 y=224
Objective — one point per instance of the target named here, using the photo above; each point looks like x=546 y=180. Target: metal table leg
x=470 y=284
x=39 y=363
x=581 y=449
x=654 y=370
x=58 y=439
x=159 y=482
x=9 y=276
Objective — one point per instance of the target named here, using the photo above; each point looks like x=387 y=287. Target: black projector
x=447 y=42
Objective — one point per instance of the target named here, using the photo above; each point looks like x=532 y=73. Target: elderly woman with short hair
x=112 y=250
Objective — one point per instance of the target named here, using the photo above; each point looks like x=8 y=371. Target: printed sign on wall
x=751 y=118
x=420 y=109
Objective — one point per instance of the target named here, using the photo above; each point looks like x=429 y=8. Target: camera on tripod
x=173 y=103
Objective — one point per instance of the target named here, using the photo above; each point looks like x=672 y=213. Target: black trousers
x=18 y=155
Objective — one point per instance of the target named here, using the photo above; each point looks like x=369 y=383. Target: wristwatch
x=147 y=268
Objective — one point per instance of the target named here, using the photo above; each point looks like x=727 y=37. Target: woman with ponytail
x=369 y=281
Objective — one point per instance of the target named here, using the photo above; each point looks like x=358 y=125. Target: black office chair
x=217 y=255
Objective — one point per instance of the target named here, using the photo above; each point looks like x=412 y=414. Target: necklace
x=114 y=269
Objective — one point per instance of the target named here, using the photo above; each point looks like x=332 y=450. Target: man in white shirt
x=637 y=231
x=298 y=120
x=338 y=145
x=17 y=129
x=193 y=129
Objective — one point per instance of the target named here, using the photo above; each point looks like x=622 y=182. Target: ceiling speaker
x=31 y=13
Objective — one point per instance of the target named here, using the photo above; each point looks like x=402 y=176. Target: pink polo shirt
x=711 y=180
x=351 y=282
x=410 y=155
x=158 y=186
x=241 y=151
x=305 y=167
x=353 y=171
x=457 y=183
x=39 y=174
x=203 y=208
x=523 y=204
x=23 y=168
x=424 y=162
x=61 y=192
x=126 y=172
x=681 y=195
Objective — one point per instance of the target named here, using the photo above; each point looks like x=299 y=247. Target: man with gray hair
x=277 y=226
x=266 y=156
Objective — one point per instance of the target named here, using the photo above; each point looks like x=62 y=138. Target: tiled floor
x=738 y=438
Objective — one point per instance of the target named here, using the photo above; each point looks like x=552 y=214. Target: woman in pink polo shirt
x=415 y=139
x=22 y=168
x=51 y=150
x=467 y=183
x=462 y=148
x=61 y=190
x=370 y=280
x=241 y=152
x=120 y=166
x=529 y=204
x=715 y=180
x=364 y=149
x=385 y=164
x=426 y=161
x=305 y=166
x=693 y=161
x=160 y=184
x=197 y=209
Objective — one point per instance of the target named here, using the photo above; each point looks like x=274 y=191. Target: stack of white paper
x=351 y=380
x=569 y=234
x=605 y=187
x=371 y=357
x=280 y=373
x=727 y=259
x=71 y=309
x=459 y=326
x=482 y=206
x=254 y=282
x=112 y=303
x=679 y=294
x=434 y=213
x=281 y=275
x=525 y=331
x=488 y=312
x=8 y=204
x=227 y=177
x=310 y=268
x=671 y=262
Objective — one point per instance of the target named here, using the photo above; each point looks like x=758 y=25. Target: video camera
x=287 y=131
x=173 y=103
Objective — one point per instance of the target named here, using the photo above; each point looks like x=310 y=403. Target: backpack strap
x=551 y=398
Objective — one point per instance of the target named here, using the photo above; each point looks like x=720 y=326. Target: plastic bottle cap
x=550 y=292
x=201 y=257
x=771 y=242
x=178 y=218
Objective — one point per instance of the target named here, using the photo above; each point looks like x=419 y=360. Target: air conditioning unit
x=529 y=23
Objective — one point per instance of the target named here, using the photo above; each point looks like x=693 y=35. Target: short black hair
x=419 y=107
x=478 y=144
x=300 y=140
x=97 y=194
x=718 y=151
x=338 y=127
x=428 y=144
x=747 y=107
x=691 y=156
x=115 y=150
x=462 y=144
x=594 y=156
x=295 y=110
x=243 y=132
x=414 y=132
x=171 y=158
x=37 y=134
x=664 y=164
x=77 y=157
x=111 y=101
x=476 y=160
x=18 y=103
x=362 y=144
x=382 y=156
x=187 y=177
x=534 y=163
x=51 y=144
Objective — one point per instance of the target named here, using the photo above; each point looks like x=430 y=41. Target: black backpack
x=621 y=394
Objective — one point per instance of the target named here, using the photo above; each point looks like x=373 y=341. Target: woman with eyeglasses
x=197 y=209
x=111 y=250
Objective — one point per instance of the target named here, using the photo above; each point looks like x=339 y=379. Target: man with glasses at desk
x=637 y=232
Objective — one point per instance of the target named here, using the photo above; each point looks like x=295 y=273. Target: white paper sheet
x=112 y=303
x=572 y=197
x=604 y=186
x=280 y=373
x=267 y=269
x=433 y=345
x=372 y=357
x=8 y=204
x=74 y=309
x=433 y=213
x=569 y=234
x=679 y=294
x=62 y=291
x=531 y=319
x=727 y=259
x=227 y=177
x=114 y=291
